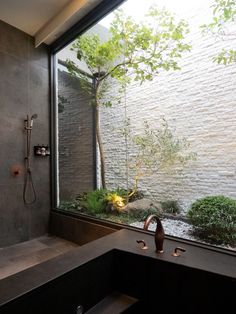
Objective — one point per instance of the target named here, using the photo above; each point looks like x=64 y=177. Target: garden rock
x=142 y=205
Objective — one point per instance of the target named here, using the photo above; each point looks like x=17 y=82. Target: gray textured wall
x=24 y=89
x=199 y=104
x=75 y=126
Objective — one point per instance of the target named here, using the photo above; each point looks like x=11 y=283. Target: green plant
x=215 y=216
x=224 y=16
x=70 y=205
x=134 y=51
x=95 y=201
x=119 y=191
x=170 y=206
x=157 y=149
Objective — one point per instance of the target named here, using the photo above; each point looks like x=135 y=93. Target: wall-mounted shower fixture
x=42 y=150
x=29 y=184
x=29 y=121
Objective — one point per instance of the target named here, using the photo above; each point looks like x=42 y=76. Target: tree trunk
x=100 y=145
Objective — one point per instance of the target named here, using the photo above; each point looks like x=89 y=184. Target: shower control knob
x=16 y=170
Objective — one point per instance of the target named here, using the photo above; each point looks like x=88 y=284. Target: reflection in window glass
x=146 y=119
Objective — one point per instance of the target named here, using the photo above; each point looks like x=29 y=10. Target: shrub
x=171 y=207
x=216 y=218
x=70 y=205
x=95 y=201
x=120 y=192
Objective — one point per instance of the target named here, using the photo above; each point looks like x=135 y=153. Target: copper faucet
x=159 y=233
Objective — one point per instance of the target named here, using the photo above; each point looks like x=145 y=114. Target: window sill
x=118 y=226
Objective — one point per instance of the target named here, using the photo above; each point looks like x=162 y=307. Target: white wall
x=199 y=102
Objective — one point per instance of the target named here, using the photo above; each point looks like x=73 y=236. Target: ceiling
x=46 y=20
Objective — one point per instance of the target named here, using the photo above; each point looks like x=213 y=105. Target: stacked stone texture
x=75 y=138
x=199 y=103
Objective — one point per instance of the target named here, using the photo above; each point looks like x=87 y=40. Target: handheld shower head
x=34 y=116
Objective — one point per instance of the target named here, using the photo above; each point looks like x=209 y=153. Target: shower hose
x=28 y=184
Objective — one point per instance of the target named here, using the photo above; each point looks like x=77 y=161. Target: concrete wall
x=199 y=104
x=24 y=89
x=75 y=127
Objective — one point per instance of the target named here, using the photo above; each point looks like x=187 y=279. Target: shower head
x=34 y=116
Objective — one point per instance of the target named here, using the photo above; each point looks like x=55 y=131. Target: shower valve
x=42 y=150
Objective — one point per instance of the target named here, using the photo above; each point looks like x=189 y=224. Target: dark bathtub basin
x=158 y=284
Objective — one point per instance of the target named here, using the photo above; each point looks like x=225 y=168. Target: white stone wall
x=199 y=103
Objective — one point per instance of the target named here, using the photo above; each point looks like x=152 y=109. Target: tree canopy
x=134 y=50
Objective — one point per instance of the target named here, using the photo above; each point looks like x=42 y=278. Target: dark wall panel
x=24 y=89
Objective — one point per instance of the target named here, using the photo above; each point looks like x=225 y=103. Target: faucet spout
x=159 y=233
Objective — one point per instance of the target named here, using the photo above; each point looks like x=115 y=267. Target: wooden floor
x=18 y=257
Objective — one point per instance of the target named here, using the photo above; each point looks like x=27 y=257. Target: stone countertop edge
x=125 y=240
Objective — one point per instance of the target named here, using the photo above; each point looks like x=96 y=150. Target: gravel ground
x=172 y=227
x=176 y=228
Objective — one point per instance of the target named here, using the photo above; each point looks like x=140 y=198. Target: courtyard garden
x=211 y=219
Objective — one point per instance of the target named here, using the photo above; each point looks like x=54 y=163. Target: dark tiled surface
x=19 y=44
x=27 y=254
x=24 y=89
x=14 y=220
x=39 y=216
x=13 y=86
x=76 y=230
x=13 y=41
x=37 y=55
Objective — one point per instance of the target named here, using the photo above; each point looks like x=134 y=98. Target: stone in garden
x=142 y=205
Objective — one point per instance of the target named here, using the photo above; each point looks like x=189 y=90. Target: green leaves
x=156 y=43
x=224 y=10
x=216 y=218
x=225 y=57
x=224 y=13
x=98 y=56
x=156 y=149
x=135 y=51
x=94 y=202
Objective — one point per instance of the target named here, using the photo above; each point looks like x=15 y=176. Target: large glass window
x=147 y=122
